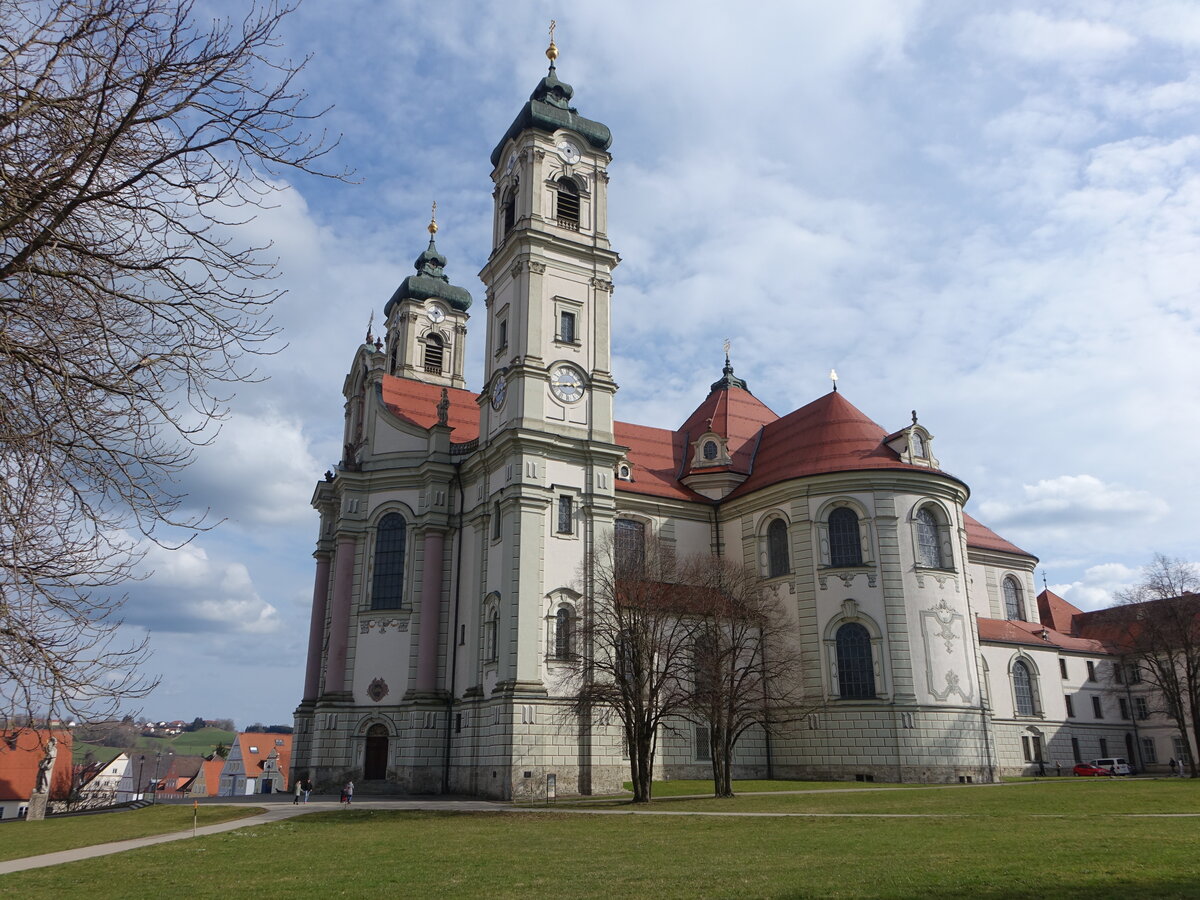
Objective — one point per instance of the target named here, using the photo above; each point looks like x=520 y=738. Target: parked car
x=1088 y=768
x=1117 y=765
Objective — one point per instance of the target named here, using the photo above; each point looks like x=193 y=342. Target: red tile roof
x=828 y=435
x=416 y=403
x=21 y=751
x=264 y=743
x=736 y=415
x=979 y=535
x=1010 y=631
x=655 y=454
x=1056 y=613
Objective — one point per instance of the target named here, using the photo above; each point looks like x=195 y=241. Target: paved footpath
x=276 y=811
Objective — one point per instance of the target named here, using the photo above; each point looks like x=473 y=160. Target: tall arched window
x=509 y=210
x=1013 y=607
x=845 y=544
x=562 y=634
x=630 y=546
x=434 y=353
x=387 y=584
x=1023 y=693
x=568 y=203
x=856 y=671
x=778 y=562
x=491 y=628
x=929 y=543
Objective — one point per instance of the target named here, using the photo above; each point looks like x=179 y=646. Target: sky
x=988 y=213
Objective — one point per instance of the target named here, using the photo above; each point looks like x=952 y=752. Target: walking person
x=348 y=792
x=296 y=794
x=306 y=786
x=1171 y=765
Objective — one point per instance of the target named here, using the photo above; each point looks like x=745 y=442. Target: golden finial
x=433 y=219
x=552 y=50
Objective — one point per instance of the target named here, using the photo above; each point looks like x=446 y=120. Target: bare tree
x=133 y=142
x=634 y=647
x=1159 y=631
x=746 y=663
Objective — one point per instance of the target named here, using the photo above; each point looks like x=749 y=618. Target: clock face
x=499 y=392
x=435 y=313
x=566 y=383
x=568 y=151
x=512 y=161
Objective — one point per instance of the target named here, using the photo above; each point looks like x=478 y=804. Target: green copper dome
x=549 y=109
x=430 y=283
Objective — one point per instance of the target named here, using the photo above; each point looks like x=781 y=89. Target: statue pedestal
x=37 y=807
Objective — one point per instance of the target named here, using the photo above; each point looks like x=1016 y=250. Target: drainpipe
x=452 y=674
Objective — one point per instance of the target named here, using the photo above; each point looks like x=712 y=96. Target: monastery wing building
x=455 y=528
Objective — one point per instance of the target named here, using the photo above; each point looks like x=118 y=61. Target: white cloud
x=1034 y=37
x=1095 y=590
x=1075 y=499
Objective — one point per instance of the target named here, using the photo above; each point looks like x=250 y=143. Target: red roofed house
x=21 y=753
x=454 y=529
x=258 y=763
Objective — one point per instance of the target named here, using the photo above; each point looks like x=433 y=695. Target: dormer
x=914 y=445
x=709 y=450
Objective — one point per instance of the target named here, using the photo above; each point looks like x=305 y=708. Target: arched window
x=918 y=446
x=845 y=544
x=929 y=543
x=497 y=521
x=856 y=671
x=568 y=203
x=630 y=546
x=777 y=549
x=1013 y=607
x=562 y=634
x=509 y=210
x=434 y=351
x=1023 y=693
x=387 y=584
x=491 y=627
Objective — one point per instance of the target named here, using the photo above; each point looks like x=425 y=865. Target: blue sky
x=986 y=212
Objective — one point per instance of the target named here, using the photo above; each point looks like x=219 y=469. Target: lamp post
x=154 y=787
x=137 y=790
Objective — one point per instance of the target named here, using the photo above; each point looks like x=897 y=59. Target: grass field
x=190 y=743
x=18 y=839
x=1072 y=839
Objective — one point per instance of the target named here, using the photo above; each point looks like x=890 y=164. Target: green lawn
x=684 y=787
x=190 y=743
x=19 y=839
x=1060 y=839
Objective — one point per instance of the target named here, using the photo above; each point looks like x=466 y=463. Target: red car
x=1089 y=769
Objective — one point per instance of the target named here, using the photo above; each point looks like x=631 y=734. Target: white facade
x=454 y=533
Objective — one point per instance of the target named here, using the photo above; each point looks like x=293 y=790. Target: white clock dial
x=435 y=313
x=568 y=151
x=566 y=383
x=499 y=392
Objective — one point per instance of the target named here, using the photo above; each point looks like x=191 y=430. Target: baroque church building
x=454 y=530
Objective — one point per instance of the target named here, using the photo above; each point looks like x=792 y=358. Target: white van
x=1118 y=765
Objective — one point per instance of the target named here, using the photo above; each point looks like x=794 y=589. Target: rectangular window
x=1104 y=747
x=1075 y=750
x=630 y=545
x=1026 y=749
x=1097 y=709
x=1141 y=707
x=1037 y=748
x=1135 y=673
x=1181 y=750
x=1062 y=667
x=703 y=751
x=496 y=521
x=458 y=723
x=566 y=515
x=1091 y=670
x=1118 y=673
x=501 y=335
x=566 y=327
x=462 y=635
x=1123 y=705
x=1149 y=751
x=1070 y=707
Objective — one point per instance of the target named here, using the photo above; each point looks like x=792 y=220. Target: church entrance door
x=375 y=760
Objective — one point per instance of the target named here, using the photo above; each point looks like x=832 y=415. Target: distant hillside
x=190 y=743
